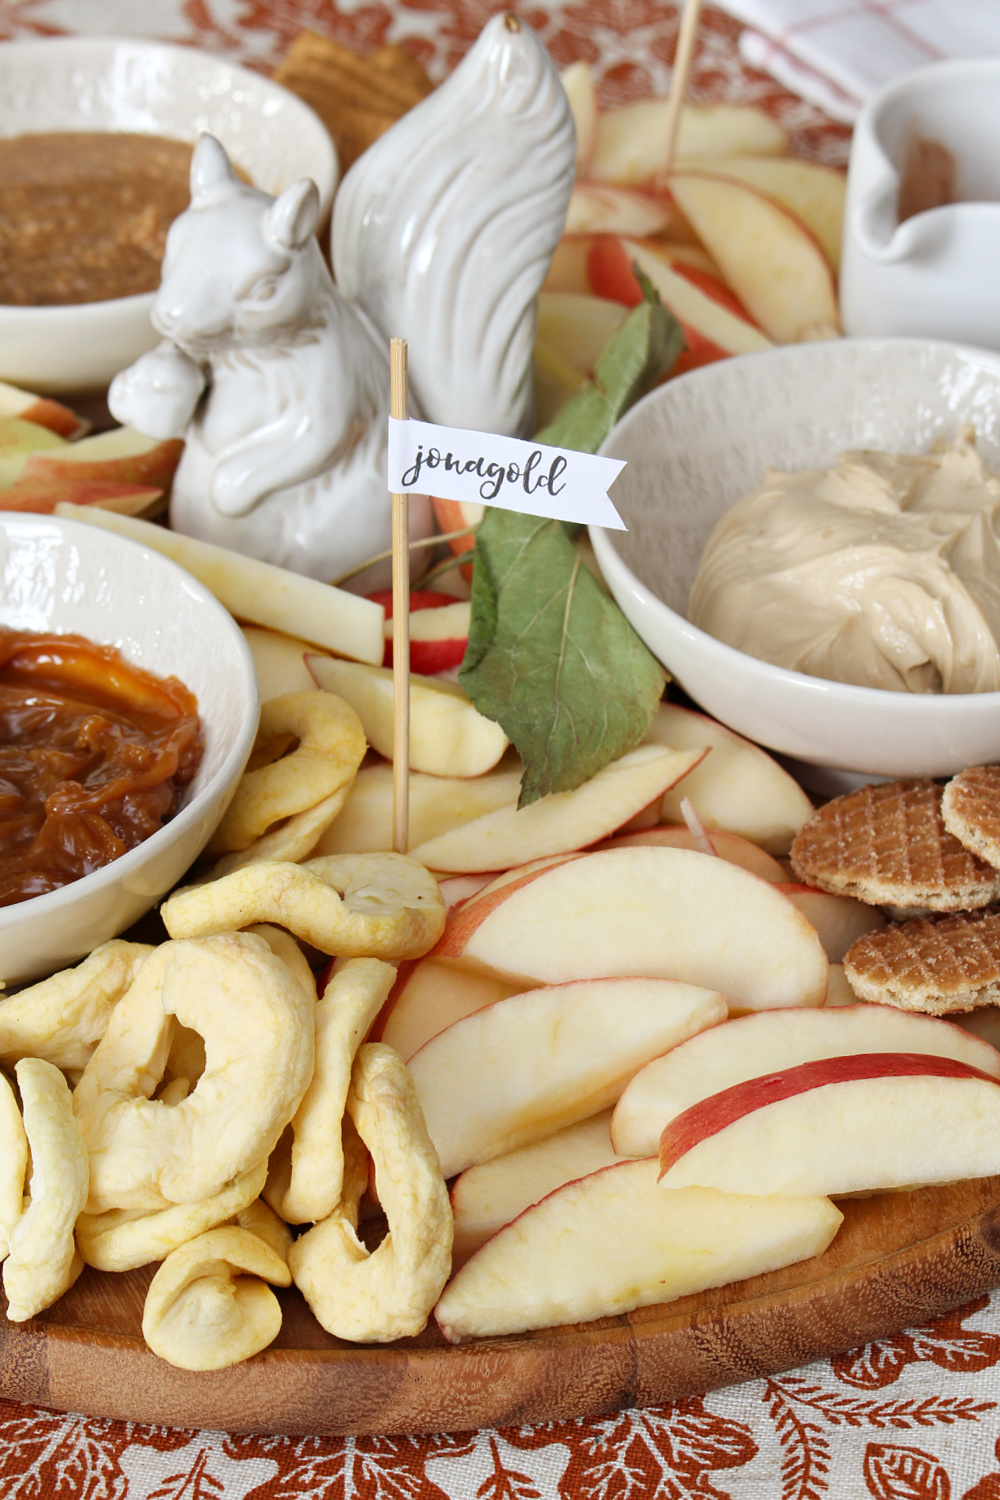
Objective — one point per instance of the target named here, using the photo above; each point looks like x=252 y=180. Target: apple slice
x=597 y=208
x=864 y=1124
x=256 y=591
x=773 y=263
x=813 y=193
x=839 y=920
x=19 y=440
x=430 y=996
x=523 y=1067
x=839 y=991
x=769 y=1042
x=41 y=410
x=439 y=630
x=578 y=81
x=615 y=1240
x=437 y=805
x=568 y=268
x=40 y=496
x=448 y=737
x=631 y=137
x=485 y=1198
x=562 y=821
x=666 y=913
x=458 y=888
x=121 y=455
x=279 y=662
x=577 y=327
x=738 y=851
x=739 y=787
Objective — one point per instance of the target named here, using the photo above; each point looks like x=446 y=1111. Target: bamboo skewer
x=678 y=86
x=400 y=622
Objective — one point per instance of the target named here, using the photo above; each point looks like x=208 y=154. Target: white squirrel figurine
x=279 y=380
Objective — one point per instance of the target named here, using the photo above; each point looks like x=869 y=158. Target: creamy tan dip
x=883 y=571
x=84 y=216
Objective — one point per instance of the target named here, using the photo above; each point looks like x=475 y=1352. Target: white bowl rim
x=236 y=757
x=913 y=705
x=99 y=45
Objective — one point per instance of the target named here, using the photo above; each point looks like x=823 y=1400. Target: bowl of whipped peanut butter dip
x=814 y=549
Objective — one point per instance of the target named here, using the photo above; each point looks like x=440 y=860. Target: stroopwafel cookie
x=970 y=807
x=932 y=964
x=888 y=845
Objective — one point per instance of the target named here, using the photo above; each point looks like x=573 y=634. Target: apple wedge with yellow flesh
x=41 y=410
x=864 y=1124
x=577 y=327
x=581 y=91
x=562 y=821
x=428 y=997
x=122 y=456
x=668 y=913
x=769 y=1042
x=256 y=591
x=731 y=846
x=485 y=1198
x=773 y=263
x=738 y=787
x=448 y=737
x=630 y=137
x=19 y=441
x=599 y=208
x=36 y=494
x=813 y=193
x=523 y=1067
x=279 y=662
x=438 y=804
x=614 y=1241
x=708 y=318
x=839 y=920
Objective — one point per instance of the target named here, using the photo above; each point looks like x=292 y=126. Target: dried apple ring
x=261 y=1220
x=43 y=1261
x=293 y=839
x=62 y=1019
x=257 y=1022
x=13 y=1162
x=354 y=905
x=208 y=1306
x=388 y=1294
x=124 y=1238
x=350 y=1003
x=331 y=746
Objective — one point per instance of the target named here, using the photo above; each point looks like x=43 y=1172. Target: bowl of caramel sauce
x=128 y=705
x=95 y=147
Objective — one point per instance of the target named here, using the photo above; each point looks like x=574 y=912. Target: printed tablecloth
x=913 y=1417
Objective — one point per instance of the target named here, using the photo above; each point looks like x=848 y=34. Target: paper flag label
x=457 y=463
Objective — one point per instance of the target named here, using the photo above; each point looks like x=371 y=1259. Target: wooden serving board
x=899 y=1259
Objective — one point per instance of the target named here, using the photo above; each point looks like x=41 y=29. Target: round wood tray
x=898 y=1260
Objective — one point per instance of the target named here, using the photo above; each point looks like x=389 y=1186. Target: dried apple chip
x=208 y=1306
x=388 y=1294
x=13 y=1162
x=63 y=1018
x=43 y=1261
x=353 y=905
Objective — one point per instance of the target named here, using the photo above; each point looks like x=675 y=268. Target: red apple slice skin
x=40 y=494
x=772 y=1042
x=823 y=1122
x=559 y=1262
x=739 y=851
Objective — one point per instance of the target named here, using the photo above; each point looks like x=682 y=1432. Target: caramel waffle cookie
x=888 y=845
x=936 y=964
x=970 y=807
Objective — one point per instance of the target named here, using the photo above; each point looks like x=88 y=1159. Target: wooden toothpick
x=400 y=622
x=678 y=85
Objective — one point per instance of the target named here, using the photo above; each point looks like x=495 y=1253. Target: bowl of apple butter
x=95 y=145
x=128 y=708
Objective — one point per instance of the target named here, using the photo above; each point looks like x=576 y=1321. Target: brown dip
x=93 y=756
x=84 y=215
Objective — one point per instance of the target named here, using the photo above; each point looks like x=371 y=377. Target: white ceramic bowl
x=699 y=443
x=108 y=83
x=73 y=578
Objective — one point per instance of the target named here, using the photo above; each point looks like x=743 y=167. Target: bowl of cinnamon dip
x=813 y=550
x=129 y=707
x=95 y=142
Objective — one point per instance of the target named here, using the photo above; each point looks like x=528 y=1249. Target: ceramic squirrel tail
x=445 y=227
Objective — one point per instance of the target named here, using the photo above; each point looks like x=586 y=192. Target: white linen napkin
x=838 y=52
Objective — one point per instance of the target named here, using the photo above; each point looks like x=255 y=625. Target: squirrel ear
x=211 y=169
x=291 y=218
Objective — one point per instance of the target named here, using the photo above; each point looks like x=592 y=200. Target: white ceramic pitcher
x=938 y=273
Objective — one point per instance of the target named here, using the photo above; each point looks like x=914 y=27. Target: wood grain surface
x=900 y=1259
